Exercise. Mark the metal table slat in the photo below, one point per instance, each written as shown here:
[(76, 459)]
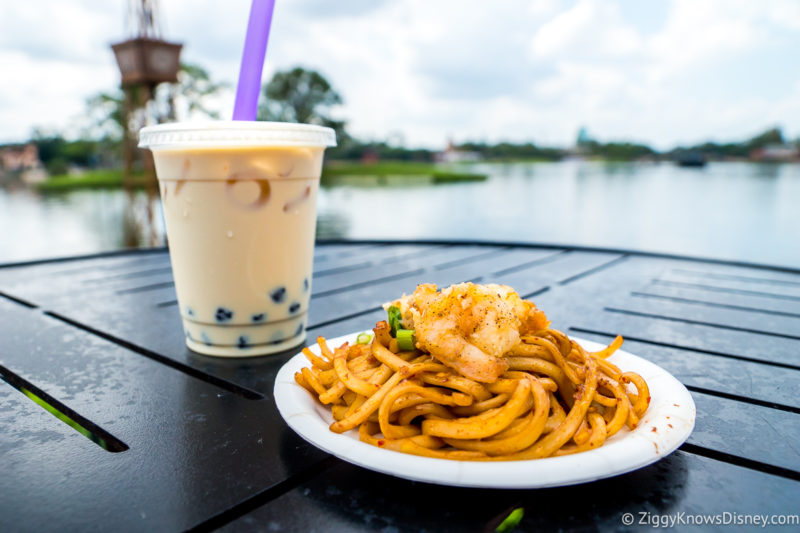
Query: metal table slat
[(721, 300), (48, 278), (179, 451), (367, 295), (193, 430), (736, 319), (553, 269), (376, 271), (760, 347), (346, 498), (785, 287), (706, 372)]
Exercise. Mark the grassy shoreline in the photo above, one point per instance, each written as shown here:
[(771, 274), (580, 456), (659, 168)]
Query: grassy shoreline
[(112, 178), (397, 169), (91, 179)]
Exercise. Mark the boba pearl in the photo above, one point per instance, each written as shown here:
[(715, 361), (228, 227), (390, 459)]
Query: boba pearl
[(259, 317), (278, 295), (277, 337), (205, 338), (223, 315), (295, 307), (242, 342)]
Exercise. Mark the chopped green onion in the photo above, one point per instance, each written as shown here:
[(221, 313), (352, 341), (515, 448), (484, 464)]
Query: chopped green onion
[(364, 338), (511, 521), (405, 339), (394, 319)]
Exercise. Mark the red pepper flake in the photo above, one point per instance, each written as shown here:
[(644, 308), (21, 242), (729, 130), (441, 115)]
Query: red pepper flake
[(579, 390), (648, 400), (676, 405), (381, 442), (654, 430), (670, 425)]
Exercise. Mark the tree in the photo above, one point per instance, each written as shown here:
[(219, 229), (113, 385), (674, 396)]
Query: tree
[(771, 136), (104, 116), (189, 96), (171, 101), (300, 95), (58, 154), (102, 124)]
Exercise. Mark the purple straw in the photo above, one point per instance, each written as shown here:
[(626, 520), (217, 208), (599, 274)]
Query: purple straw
[(255, 48)]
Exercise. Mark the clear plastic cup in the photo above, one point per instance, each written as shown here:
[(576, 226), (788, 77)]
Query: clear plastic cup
[(239, 201)]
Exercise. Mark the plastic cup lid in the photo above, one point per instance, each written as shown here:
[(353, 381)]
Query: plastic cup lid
[(234, 133)]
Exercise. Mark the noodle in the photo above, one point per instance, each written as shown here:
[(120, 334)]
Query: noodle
[(555, 399)]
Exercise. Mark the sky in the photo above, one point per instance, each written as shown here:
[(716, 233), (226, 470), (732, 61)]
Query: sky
[(422, 72)]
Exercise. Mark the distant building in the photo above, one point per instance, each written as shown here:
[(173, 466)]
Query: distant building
[(16, 158), (583, 137), (451, 154), (370, 156), (776, 152), (583, 143), (22, 161)]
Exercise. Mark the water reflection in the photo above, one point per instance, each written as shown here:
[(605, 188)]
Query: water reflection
[(371, 182), (34, 225), (767, 170), (142, 220), (741, 211), (332, 225)]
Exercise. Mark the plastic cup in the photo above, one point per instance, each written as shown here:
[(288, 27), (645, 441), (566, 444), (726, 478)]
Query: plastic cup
[(239, 200)]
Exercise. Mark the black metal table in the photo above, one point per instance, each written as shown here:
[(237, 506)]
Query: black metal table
[(180, 441)]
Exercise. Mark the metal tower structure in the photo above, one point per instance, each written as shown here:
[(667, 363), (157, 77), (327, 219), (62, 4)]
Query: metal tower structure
[(145, 59)]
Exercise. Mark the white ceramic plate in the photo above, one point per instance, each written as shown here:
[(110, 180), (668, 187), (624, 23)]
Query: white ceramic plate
[(666, 425)]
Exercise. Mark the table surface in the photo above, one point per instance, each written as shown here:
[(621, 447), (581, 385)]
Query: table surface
[(181, 441)]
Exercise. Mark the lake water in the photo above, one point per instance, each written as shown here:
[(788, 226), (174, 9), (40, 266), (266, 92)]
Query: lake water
[(741, 211)]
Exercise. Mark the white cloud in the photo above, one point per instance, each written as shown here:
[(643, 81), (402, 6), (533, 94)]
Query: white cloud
[(591, 27), (515, 69), (698, 33), (783, 13), (46, 92), (71, 31)]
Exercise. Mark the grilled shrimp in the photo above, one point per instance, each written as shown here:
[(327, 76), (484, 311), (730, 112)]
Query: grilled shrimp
[(469, 327)]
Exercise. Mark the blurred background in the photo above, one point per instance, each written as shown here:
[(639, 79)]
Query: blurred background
[(670, 126)]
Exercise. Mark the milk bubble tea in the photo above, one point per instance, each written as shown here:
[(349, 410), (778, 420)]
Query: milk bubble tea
[(240, 224)]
